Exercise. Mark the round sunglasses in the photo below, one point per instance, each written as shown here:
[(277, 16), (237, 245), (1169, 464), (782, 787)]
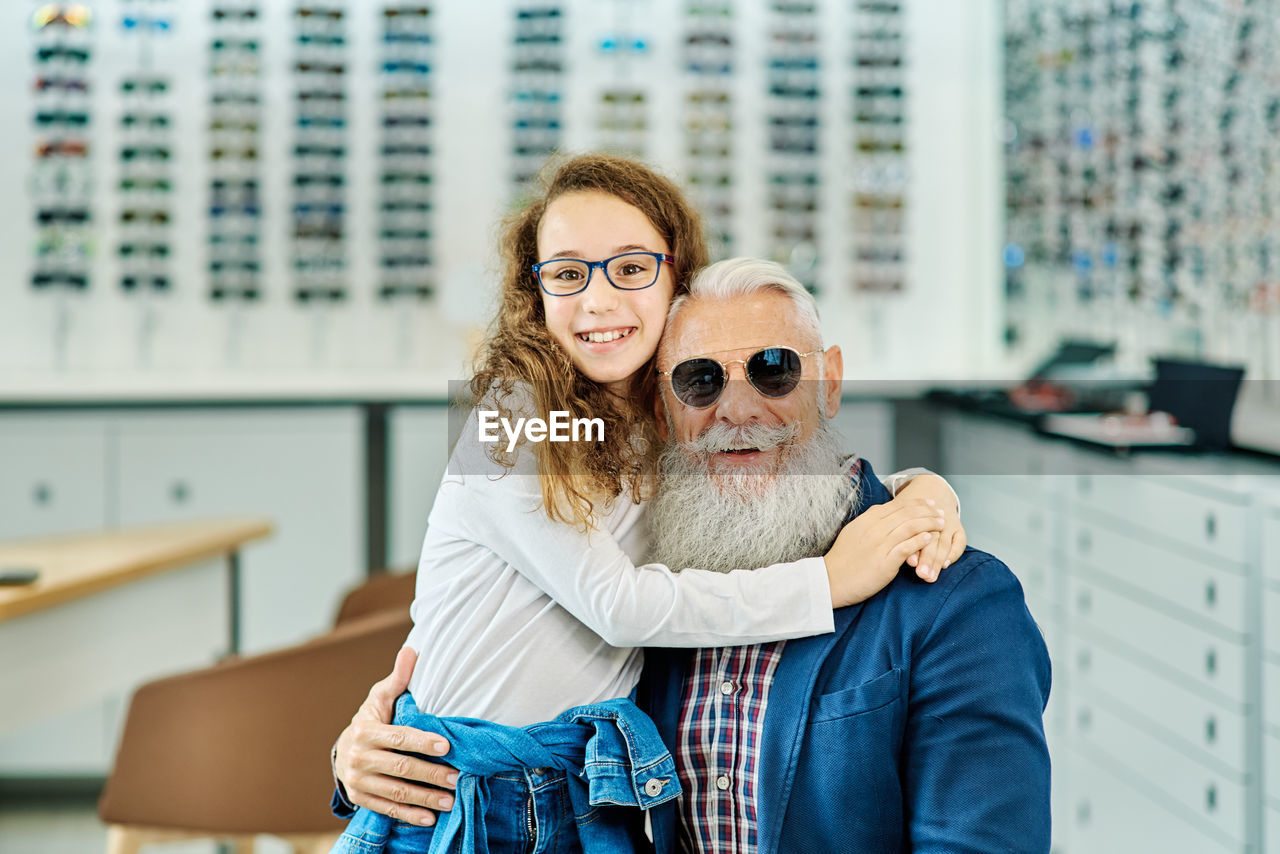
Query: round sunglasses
[(773, 371)]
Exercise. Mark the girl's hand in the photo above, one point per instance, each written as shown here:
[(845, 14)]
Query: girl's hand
[(871, 549), (946, 548)]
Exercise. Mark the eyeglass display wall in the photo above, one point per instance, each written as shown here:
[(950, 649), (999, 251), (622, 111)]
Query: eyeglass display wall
[(241, 192), (1143, 179)]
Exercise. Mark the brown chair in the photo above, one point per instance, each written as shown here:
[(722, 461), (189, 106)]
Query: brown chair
[(242, 747)]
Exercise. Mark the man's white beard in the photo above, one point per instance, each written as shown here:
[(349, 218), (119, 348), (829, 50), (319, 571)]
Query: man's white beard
[(749, 518)]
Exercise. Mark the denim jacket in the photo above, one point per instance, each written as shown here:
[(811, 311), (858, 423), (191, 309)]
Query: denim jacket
[(611, 753)]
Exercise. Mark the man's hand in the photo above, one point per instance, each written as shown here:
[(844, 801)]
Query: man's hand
[(371, 762), (945, 548), (871, 549)]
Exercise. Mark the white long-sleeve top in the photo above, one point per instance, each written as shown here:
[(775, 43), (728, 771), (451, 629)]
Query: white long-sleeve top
[(517, 617)]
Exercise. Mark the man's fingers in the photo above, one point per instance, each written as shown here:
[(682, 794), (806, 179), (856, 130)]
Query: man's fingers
[(412, 815), (384, 692), (410, 770), (400, 738), (406, 660), (405, 793)]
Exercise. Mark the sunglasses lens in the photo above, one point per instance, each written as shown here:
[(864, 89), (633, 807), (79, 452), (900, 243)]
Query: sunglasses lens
[(697, 382), (775, 372)]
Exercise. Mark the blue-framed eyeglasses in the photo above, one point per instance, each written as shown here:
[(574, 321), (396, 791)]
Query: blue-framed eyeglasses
[(630, 271)]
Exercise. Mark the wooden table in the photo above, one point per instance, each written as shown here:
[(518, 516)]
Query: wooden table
[(114, 609)]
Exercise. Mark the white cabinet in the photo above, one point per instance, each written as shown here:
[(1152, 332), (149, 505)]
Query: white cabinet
[(301, 467), (1270, 521), (418, 446), (1148, 568), (1113, 812), (54, 473)]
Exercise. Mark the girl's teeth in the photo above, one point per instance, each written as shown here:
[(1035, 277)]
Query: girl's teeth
[(601, 337)]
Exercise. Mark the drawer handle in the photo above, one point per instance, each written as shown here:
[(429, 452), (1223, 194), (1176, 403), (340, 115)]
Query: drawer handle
[(1084, 542), (1084, 719), (1084, 601), (1035, 523), (1210, 526), (1210, 594), (43, 493), (1084, 812), (1211, 798), (1211, 730), (1084, 484), (179, 492), (1211, 662), (1084, 659)]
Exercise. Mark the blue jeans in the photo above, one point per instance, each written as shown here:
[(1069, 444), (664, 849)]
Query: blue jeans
[(528, 811), (558, 787)]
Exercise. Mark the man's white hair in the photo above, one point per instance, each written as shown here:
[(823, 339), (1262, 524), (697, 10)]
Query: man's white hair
[(734, 277)]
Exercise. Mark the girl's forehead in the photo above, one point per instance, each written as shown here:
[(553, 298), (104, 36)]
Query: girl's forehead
[(577, 221)]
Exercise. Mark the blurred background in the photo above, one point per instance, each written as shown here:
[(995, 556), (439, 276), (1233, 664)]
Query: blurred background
[(248, 245)]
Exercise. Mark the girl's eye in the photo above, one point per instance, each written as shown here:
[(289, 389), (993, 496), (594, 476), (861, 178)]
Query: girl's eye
[(569, 275), (630, 269)]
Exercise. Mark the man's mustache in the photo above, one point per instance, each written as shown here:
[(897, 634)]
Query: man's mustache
[(720, 437)]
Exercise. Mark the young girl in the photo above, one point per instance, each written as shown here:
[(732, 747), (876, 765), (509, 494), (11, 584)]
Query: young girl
[(529, 607)]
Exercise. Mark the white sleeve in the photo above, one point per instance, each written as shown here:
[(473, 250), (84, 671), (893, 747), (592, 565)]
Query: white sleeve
[(899, 479), (629, 605)]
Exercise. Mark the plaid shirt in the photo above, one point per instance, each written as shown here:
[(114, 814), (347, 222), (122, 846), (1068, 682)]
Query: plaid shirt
[(721, 719)]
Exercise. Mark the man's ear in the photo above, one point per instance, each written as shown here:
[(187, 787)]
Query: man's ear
[(832, 378), (660, 415)]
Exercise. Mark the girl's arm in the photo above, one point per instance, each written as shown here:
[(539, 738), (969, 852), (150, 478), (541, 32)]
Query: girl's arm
[(590, 575), (949, 544)]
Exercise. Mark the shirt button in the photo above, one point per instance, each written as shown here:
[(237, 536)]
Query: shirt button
[(653, 788), (726, 687), (722, 782)]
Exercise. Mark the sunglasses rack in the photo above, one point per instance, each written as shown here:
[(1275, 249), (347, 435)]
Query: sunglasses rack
[(623, 105), (537, 89), (1143, 181), (406, 201), (879, 155), (61, 174), (320, 208), (263, 162), (235, 142), (793, 114), (708, 62)]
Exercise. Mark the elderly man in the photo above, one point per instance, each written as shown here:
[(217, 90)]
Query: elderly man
[(916, 725)]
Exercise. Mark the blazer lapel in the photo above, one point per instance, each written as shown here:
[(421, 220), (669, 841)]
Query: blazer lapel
[(785, 720)]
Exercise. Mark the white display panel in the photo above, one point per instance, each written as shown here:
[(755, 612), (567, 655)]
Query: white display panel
[(941, 322)]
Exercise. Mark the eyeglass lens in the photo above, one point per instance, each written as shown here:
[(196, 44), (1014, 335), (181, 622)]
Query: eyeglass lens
[(774, 372)]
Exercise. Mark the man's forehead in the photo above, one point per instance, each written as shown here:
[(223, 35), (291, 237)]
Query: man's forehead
[(712, 327)]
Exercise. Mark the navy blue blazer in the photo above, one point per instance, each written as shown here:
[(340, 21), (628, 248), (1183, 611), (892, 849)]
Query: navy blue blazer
[(917, 725)]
